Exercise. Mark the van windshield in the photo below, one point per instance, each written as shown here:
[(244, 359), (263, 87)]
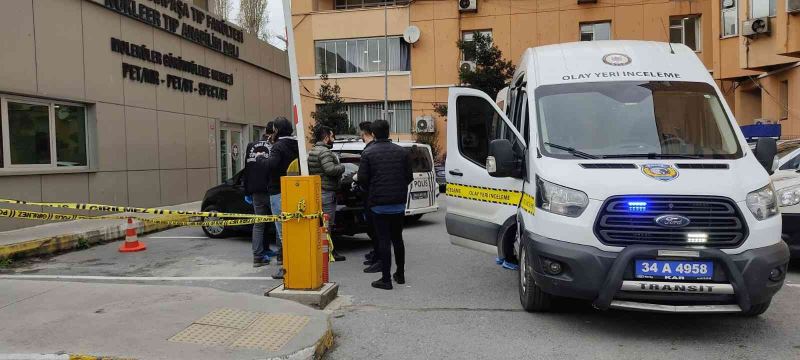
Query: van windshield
[(634, 119)]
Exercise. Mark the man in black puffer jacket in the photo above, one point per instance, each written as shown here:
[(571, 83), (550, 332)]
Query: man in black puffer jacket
[(283, 152), (385, 170)]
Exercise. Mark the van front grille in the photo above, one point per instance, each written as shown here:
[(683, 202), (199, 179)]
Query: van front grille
[(629, 220)]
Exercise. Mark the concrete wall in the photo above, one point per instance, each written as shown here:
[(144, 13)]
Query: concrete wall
[(154, 145)]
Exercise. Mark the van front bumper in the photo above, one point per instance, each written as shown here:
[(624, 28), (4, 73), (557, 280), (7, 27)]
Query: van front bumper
[(598, 276)]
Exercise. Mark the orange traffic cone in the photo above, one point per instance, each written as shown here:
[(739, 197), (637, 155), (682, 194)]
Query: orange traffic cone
[(132, 242)]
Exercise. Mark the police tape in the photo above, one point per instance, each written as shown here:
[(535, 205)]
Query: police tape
[(111, 208), (168, 217)]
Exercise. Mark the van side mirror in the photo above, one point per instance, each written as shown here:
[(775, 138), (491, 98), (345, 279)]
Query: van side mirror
[(501, 161), (766, 153)]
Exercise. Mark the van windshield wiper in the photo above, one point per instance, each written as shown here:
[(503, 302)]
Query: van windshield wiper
[(651, 156), (571, 150)]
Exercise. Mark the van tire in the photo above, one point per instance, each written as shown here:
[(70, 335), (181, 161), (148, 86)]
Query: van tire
[(531, 296), (757, 309)]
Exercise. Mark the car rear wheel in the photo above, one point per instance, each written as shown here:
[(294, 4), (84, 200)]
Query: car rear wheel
[(413, 218), (216, 231)]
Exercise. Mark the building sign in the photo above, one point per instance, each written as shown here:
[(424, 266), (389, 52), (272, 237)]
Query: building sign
[(146, 75), (183, 20)]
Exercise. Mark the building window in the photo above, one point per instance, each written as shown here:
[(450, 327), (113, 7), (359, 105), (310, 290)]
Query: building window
[(784, 97), (762, 8), (357, 4), (361, 55), (467, 37), (399, 116), (596, 31), (38, 134), (730, 17), (685, 30)]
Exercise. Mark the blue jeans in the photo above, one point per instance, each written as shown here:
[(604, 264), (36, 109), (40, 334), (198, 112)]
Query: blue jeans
[(275, 204), (260, 207)]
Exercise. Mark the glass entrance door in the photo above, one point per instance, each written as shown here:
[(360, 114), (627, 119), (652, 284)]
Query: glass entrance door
[(231, 147)]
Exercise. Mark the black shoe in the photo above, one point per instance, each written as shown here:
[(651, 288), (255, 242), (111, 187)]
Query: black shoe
[(279, 275), (399, 278), (260, 261), (370, 262), (374, 268), (369, 256), (337, 257), (382, 284)]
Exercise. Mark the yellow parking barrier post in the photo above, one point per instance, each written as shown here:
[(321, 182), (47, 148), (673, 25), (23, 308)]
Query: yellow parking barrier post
[(302, 255), (302, 248)]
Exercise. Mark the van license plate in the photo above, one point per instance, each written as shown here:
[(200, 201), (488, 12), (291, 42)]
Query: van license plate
[(418, 195), (657, 269)]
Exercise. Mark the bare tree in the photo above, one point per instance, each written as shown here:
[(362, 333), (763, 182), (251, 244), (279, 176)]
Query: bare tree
[(221, 8), (253, 17)]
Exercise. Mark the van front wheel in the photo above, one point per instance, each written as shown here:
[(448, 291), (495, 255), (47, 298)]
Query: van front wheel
[(531, 296)]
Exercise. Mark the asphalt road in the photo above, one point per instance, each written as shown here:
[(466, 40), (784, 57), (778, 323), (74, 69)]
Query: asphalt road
[(456, 304)]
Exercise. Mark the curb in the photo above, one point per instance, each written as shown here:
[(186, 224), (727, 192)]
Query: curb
[(62, 243)]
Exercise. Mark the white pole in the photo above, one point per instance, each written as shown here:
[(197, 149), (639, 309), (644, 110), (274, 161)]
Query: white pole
[(296, 101), (385, 62)]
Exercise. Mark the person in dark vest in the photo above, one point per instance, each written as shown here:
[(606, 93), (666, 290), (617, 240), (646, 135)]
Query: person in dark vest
[(385, 170), (284, 151), (371, 257), (323, 162), (256, 181)]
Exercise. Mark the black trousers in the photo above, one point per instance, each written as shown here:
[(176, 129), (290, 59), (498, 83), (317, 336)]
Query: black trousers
[(389, 231), (371, 232)]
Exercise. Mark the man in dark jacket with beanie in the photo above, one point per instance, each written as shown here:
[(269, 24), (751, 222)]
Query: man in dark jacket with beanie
[(385, 170), (284, 151), (323, 162), (256, 181)]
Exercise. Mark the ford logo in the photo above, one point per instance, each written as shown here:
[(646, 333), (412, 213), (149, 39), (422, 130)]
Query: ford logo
[(672, 221)]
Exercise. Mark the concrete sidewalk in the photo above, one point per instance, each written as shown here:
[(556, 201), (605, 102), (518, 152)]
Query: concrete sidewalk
[(155, 322), (63, 236)]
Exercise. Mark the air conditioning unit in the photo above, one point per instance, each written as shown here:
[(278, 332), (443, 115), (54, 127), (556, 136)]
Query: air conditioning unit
[(467, 66), (753, 27), (467, 5), (793, 6), (423, 124)]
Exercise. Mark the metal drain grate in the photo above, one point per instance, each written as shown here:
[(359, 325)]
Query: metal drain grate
[(243, 329), (232, 318), (206, 335)]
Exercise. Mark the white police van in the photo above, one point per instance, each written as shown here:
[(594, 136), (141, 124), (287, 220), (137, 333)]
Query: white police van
[(617, 175)]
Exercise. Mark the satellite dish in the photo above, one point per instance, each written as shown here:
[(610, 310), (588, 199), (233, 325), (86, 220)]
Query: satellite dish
[(411, 34)]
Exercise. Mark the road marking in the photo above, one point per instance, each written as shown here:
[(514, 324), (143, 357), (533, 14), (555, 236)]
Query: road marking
[(793, 285), (136, 278), (177, 237)]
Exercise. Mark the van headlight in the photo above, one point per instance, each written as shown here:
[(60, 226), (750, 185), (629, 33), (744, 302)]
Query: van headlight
[(789, 196), (560, 200), (762, 202)]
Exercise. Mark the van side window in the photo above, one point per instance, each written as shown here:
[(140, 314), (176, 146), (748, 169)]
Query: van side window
[(525, 130), (478, 125)]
